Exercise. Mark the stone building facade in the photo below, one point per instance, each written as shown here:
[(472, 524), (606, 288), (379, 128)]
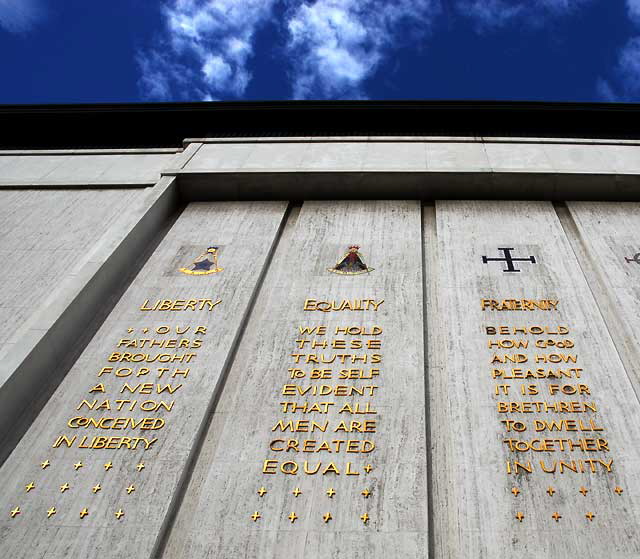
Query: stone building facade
[(323, 330)]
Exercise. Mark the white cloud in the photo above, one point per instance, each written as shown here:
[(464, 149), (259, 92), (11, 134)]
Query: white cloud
[(629, 66), (626, 75), (633, 7), (17, 16), (495, 13), (210, 41), (624, 82), (335, 45)]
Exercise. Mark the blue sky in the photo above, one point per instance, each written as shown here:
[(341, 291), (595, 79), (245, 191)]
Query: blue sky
[(71, 51)]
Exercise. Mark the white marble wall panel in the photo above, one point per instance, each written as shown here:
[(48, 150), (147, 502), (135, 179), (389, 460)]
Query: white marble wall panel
[(503, 157), (221, 156), (624, 159), (579, 158), (475, 500), (77, 169), (608, 240), (409, 156), (215, 518), (446, 156), (43, 235), (244, 233)]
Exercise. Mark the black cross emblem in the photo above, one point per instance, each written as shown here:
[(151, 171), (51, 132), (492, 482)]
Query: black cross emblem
[(636, 258), (509, 260)]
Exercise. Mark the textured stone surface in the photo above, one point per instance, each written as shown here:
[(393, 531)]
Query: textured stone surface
[(607, 234), (415, 155), (474, 509), (214, 520), (78, 168), (206, 466), (244, 233), (44, 234)]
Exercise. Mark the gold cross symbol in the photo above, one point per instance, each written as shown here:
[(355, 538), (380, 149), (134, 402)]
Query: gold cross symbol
[(84, 512), (293, 517), (365, 518), (119, 514), (556, 516), (618, 490), (45, 464), (129, 330), (551, 491), (590, 516), (51, 512), (366, 493), (108, 466), (262, 491), (368, 468), (15, 512), (96, 488), (255, 516), (140, 466), (331, 492), (130, 489), (584, 491), (327, 517), (64, 487), (519, 516), (30, 486), (78, 465), (297, 492), (515, 491), (145, 330)]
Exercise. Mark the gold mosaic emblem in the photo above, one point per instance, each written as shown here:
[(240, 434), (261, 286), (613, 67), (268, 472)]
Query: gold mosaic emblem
[(351, 264), (206, 263)]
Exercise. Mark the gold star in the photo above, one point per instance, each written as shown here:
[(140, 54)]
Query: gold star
[(584, 491), (368, 468), (297, 492), (130, 489), (556, 516), (45, 464), (64, 487), (108, 466), (140, 466), (84, 512), (30, 486), (590, 516), (365, 518), (255, 516), (515, 491), (96, 488), (119, 514), (327, 517), (618, 490), (293, 517), (51, 512), (78, 465), (262, 491), (331, 492), (15, 512), (551, 491), (519, 516), (366, 493)]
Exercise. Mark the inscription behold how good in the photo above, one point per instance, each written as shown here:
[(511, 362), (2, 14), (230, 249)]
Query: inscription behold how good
[(550, 409)]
